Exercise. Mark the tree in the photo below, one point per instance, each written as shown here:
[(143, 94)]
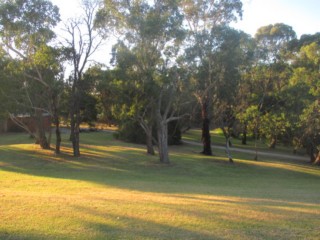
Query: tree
[(252, 118), (306, 78), (273, 40), (268, 78), (202, 19), (25, 31), (82, 40), (137, 91), (6, 86), (245, 88), (151, 36), (48, 60), (311, 124)]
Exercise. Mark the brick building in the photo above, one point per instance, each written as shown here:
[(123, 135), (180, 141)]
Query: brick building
[(8, 125)]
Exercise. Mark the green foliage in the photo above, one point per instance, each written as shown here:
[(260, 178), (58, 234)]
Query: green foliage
[(27, 23), (273, 40), (251, 117), (305, 79), (274, 126), (88, 109), (131, 131)]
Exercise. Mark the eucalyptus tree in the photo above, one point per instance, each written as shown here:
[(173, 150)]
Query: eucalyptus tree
[(305, 84), (25, 32), (201, 20), (231, 55), (245, 85), (48, 61), (6, 87), (82, 40), (273, 41), (151, 32), (269, 78), (136, 93)]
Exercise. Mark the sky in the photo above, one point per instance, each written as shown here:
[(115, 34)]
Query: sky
[(302, 15)]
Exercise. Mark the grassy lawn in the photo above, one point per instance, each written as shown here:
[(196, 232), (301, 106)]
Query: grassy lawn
[(115, 191), (218, 138)]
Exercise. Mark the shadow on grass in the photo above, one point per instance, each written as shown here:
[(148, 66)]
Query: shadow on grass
[(196, 197), (138, 227), (246, 220), (127, 166), (6, 235), (15, 138)]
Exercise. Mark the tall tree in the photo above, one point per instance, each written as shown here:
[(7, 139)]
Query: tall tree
[(305, 80), (202, 18), (274, 68), (245, 88), (138, 91), (151, 32), (273, 41), (25, 30), (6, 105), (82, 40)]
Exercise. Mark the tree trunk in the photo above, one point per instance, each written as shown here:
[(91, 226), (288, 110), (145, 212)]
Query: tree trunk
[(312, 153), (58, 138), (206, 138), (255, 143), (75, 119), (147, 128), (317, 159), (150, 149), (57, 125), (244, 135), (228, 149), (76, 135), (273, 143), (41, 134), (163, 141), (55, 113), (76, 143), (72, 119)]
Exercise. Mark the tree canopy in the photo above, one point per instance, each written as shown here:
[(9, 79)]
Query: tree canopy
[(174, 62)]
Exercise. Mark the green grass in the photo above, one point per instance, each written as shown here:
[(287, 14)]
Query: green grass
[(218, 138), (115, 191)]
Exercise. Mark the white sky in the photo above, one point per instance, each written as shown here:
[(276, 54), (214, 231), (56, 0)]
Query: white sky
[(302, 15)]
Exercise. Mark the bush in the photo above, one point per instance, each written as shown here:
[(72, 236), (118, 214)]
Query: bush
[(131, 131)]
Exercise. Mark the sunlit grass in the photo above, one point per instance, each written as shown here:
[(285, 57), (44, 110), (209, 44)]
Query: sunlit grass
[(116, 191), (218, 138)]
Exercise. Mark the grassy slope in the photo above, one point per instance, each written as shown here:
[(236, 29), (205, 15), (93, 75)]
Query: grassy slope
[(115, 191), (218, 138)]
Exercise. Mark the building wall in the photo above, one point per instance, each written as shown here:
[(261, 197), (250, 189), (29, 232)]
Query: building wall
[(29, 121), (3, 125)]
